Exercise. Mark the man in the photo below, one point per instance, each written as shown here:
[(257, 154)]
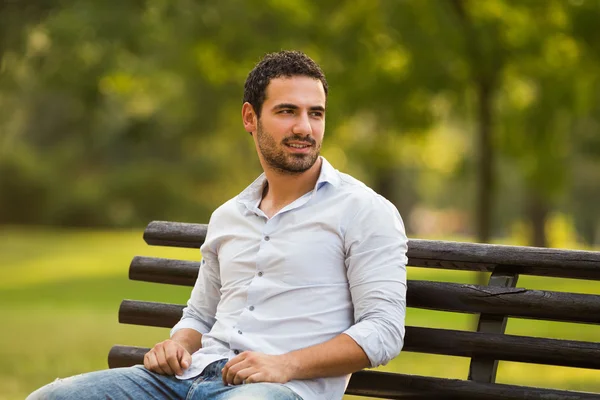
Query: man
[(303, 277)]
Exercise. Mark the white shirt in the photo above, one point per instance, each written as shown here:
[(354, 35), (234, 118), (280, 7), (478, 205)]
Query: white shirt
[(331, 262)]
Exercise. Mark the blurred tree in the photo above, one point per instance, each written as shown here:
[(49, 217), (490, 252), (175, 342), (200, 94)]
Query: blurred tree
[(116, 113)]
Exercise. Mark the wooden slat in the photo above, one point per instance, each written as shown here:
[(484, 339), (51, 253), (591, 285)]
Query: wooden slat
[(401, 386), (392, 386), (425, 340), (521, 303), (176, 234), (434, 253), (164, 270), (511, 302)]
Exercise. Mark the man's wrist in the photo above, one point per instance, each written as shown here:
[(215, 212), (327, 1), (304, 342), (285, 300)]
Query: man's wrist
[(291, 366)]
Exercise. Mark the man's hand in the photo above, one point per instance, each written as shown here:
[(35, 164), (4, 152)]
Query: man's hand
[(167, 358), (253, 367)]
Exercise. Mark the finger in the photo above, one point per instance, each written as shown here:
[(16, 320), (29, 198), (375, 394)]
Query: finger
[(242, 375), (228, 365), (232, 371), (162, 361), (146, 361), (172, 358), (153, 362), (256, 377), (185, 359)]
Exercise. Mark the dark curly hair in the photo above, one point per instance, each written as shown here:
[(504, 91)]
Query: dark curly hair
[(275, 65)]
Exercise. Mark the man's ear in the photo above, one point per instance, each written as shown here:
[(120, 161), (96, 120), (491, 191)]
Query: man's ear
[(249, 118)]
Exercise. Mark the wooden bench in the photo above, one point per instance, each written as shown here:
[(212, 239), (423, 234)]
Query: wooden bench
[(494, 303)]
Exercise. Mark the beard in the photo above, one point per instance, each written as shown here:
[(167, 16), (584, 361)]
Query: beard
[(275, 155)]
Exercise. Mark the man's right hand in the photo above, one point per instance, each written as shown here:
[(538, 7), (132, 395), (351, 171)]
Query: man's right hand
[(167, 358)]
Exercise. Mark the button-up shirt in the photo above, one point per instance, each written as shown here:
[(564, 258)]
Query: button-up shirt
[(331, 262)]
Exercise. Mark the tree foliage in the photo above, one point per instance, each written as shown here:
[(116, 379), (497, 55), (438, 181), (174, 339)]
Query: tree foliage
[(116, 113)]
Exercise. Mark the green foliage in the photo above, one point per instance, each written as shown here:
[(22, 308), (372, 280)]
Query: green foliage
[(115, 113)]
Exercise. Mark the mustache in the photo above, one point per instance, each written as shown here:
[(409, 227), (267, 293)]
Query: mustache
[(296, 138)]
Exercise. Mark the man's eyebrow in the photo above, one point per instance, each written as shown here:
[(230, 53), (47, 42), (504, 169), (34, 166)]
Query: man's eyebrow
[(285, 105), (292, 106)]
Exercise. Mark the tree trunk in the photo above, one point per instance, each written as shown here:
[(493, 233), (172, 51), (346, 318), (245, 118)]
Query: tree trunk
[(485, 173), (538, 211)]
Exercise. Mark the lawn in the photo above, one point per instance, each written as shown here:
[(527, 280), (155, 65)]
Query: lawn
[(60, 291)]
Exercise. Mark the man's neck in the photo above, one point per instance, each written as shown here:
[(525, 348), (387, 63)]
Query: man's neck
[(282, 189)]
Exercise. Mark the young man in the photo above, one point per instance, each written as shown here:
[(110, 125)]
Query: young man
[(303, 277)]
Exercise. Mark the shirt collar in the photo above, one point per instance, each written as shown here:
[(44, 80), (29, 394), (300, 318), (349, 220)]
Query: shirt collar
[(253, 193)]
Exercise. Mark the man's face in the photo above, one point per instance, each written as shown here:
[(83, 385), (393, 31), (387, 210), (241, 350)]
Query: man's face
[(292, 124)]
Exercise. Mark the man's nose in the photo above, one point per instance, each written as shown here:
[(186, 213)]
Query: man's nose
[(302, 125)]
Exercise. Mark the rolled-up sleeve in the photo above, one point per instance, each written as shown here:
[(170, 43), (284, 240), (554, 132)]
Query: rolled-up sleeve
[(199, 314), (376, 246)]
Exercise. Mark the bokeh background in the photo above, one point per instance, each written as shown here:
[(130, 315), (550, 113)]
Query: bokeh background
[(480, 120)]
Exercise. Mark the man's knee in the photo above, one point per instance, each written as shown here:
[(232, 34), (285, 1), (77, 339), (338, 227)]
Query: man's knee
[(60, 389)]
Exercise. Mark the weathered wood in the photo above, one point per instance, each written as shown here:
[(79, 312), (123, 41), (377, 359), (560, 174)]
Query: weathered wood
[(522, 303), (164, 270), (512, 302), (483, 369), (434, 254), (392, 386), (425, 340), (176, 234), (401, 386), (126, 356)]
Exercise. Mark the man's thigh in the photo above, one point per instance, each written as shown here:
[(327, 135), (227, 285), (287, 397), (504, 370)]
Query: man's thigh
[(119, 383), (259, 391)]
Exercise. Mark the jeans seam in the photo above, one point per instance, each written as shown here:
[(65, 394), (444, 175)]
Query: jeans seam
[(193, 387)]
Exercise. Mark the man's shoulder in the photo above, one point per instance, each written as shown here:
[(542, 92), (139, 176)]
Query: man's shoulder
[(225, 209), (358, 192)]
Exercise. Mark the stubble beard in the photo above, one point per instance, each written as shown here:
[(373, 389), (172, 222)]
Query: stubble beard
[(275, 155)]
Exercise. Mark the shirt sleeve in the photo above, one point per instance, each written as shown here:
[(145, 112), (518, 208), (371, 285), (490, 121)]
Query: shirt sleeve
[(199, 314), (376, 246)]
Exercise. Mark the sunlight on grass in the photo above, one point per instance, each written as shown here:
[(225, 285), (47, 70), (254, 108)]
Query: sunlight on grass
[(39, 256)]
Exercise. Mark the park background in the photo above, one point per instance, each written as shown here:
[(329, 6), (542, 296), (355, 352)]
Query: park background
[(480, 120)]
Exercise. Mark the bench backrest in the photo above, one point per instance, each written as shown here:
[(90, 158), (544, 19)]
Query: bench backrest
[(494, 303)]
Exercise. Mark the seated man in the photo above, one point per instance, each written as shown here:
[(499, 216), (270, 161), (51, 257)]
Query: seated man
[(303, 277)]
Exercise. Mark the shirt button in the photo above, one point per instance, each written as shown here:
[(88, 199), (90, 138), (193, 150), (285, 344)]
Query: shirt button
[(236, 352), (251, 308), (267, 238), (240, 332), (260, 273)]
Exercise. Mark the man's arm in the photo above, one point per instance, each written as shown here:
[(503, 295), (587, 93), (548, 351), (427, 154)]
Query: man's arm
[(173, 355), (336, 357)]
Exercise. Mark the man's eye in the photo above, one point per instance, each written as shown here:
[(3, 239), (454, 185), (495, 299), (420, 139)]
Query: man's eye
[(317, 114), (286, 112)]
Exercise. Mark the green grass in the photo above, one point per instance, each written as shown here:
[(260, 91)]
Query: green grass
[(60, 291)]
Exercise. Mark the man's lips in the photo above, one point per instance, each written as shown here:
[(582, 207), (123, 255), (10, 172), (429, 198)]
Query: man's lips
[(298, 146)]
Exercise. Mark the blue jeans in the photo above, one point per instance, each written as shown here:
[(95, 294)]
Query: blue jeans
[(138, 383)]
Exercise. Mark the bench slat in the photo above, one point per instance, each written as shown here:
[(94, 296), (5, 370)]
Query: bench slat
[(515, 302), (424, 340), (433, 253), (401, 386), (391, 386)]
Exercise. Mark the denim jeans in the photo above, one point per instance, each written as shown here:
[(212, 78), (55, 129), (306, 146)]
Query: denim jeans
[(138, 383)]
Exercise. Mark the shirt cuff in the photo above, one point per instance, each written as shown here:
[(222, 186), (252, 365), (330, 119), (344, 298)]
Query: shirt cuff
[(366, 335), (190, 323)]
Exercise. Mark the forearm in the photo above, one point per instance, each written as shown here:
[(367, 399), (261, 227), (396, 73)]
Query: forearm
[(336, 357), (189, 338)]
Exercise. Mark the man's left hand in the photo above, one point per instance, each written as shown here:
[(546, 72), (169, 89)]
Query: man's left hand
[(252, 367)]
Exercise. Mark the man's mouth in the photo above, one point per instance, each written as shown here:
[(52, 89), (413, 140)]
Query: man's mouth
[(298, 146)]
